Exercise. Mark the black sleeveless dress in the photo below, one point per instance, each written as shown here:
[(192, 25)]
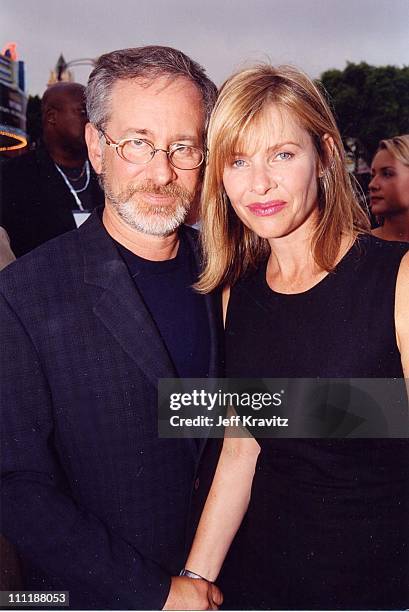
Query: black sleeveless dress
[(328, 521)]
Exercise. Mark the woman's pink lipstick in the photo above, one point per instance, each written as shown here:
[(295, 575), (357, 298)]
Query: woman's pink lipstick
[(266, 209)]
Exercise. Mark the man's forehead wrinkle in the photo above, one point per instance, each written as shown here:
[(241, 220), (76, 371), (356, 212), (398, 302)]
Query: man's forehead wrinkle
[(146, 132), (119, 105)]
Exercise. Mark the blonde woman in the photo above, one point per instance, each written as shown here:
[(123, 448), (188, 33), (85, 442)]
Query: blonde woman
[(389, 188), (326, 521)]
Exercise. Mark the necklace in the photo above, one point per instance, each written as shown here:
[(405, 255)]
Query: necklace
[(74, 191), (75, 179)]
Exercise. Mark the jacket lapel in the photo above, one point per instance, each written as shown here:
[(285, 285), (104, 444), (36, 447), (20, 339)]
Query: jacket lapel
[(120, 306)]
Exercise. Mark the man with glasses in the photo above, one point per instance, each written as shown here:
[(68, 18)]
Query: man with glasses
[(95, 503)]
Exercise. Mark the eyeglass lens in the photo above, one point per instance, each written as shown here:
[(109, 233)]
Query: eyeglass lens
[(140, 152)]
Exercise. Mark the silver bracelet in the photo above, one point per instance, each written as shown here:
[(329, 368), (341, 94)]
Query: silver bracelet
[(189, 574)]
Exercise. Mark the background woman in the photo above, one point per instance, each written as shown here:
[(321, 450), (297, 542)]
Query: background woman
[(327, 523), (389, 188)]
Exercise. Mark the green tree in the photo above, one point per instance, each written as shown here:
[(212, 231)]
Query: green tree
[(370, 103)]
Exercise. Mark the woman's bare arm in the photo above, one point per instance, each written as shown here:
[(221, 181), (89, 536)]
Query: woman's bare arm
[(402, 314), (228, 497), (225, 506)]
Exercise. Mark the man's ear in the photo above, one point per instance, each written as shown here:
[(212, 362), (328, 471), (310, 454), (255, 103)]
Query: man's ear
[(51, 116), (94, 147)]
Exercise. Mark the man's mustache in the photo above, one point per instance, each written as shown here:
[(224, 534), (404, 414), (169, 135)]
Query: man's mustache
[(167, 190)]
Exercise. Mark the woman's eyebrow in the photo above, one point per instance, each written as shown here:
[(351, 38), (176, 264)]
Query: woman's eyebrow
[(272, 148), (285, 143)]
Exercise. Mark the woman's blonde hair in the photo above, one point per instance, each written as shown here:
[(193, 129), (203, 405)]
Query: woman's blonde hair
[(230, 248), (398, 147)]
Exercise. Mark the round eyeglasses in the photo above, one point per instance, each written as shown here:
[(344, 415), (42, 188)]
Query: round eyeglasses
[(139, 151)]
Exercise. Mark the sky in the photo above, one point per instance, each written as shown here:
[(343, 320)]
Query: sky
[(222, 35)]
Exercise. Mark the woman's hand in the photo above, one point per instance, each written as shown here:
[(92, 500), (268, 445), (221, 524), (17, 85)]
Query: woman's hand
[(189, 594)]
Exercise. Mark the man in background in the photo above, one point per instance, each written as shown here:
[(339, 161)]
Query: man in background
[(50, 190)]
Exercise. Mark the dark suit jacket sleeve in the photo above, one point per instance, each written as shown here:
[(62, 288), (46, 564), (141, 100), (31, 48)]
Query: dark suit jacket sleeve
[(59, 536)]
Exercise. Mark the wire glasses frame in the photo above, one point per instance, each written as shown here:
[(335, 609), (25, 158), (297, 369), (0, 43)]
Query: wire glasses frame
[(140, 151)]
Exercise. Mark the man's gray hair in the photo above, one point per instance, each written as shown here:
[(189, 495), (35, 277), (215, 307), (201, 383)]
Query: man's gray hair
[(142, 62)]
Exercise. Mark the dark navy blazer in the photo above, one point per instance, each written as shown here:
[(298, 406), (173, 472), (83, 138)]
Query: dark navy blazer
[(94, 501)]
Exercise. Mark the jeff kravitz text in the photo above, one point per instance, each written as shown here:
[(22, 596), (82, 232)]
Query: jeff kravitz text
[(231, 421)]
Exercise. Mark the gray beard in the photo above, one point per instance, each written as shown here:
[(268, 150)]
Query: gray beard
[(157, 223), (145, 218)]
